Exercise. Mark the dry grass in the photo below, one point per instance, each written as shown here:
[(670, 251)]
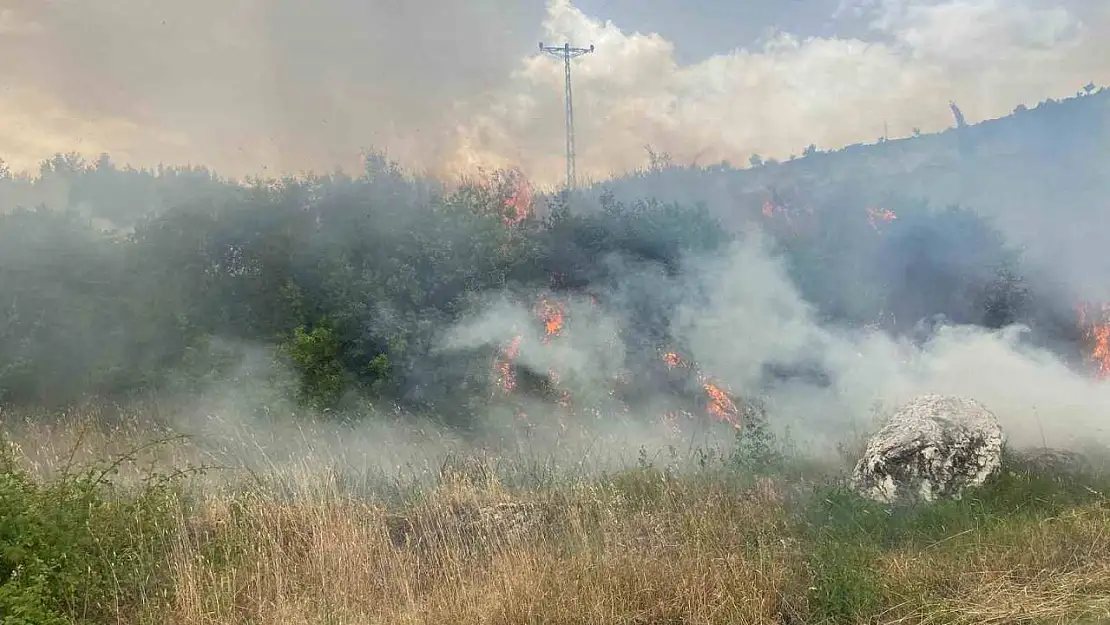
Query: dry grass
[(1056, 570), (640, 546), (584, 556)]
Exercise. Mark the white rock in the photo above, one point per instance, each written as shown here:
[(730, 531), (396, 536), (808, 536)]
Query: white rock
[(934, 446)]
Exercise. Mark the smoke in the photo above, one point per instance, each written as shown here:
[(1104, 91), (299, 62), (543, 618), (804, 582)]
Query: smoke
[(251, 86), (739, 313)]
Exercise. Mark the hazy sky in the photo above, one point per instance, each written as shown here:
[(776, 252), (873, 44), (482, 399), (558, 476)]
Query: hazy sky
[(251, 86)]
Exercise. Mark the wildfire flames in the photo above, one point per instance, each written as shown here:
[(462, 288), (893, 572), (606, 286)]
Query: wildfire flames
[(506, 376), (518, 203), (553, 315), (793, 219), (875, 216), (796, 220), (1096, 328), (770, 209), (718, 404)]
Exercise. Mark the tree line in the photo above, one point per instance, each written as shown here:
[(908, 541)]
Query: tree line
[(355, 277)]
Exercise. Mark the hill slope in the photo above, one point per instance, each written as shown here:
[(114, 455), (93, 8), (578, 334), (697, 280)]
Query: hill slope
[(1037, 173)]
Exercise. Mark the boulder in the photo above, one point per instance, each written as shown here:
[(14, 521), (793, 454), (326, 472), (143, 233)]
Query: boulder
[(934, 446)]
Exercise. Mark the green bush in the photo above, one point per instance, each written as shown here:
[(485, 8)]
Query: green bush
[(79, 548), (316, 356)]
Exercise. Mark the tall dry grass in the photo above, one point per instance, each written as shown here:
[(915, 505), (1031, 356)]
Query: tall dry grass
[(472, 543)]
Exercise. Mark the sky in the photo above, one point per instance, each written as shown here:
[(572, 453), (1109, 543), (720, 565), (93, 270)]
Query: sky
[(448, 86)]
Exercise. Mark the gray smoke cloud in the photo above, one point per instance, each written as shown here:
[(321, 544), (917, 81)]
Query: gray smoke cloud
[(754, 316), (252, 86), (243, 85)]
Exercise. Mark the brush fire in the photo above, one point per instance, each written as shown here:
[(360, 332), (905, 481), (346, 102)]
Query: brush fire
[(1095, 323), (550, 315), (878, 216), (696, 392), (518, 197), (718, 403)]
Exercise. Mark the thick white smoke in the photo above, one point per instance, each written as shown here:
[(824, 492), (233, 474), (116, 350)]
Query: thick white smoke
[(754, 316)]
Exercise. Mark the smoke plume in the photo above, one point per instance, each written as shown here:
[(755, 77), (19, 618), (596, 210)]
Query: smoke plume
[(269, 87)]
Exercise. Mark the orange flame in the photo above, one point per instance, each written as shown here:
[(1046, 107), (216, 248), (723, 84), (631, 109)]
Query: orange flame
[(553, 315), (797, 220), (1097, 332), (876, 215), (770, 209), (564, 395), (719, 405), (518, 204), (506, 376)]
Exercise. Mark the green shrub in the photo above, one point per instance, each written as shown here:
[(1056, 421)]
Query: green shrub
[(79, 548)]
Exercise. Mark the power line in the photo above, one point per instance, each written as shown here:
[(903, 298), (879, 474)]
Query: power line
[(567, 53)]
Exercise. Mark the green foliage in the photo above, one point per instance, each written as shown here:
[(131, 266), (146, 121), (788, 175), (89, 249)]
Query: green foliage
[(373, 268), (316, 356), (845, 533), (844, 585), (1017, 490), (77, 549), (757, 449)]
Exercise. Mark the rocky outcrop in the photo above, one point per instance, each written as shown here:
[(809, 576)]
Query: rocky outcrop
[(934, 446)]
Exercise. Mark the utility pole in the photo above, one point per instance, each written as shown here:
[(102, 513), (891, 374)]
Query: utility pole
[(567, 53)]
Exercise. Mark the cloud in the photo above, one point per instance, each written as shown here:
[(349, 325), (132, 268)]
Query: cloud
[(777, 97), (244, 85)]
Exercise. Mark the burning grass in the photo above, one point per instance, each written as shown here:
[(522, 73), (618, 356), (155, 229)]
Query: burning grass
[(712, 538)]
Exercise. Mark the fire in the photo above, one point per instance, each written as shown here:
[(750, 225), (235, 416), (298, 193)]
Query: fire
[(770, 209), (719, 405), (877, 215), (564, 399), (1101, 351), (553, 315), (797, 220), (518, 203), (1097, 332), (506, 376)]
